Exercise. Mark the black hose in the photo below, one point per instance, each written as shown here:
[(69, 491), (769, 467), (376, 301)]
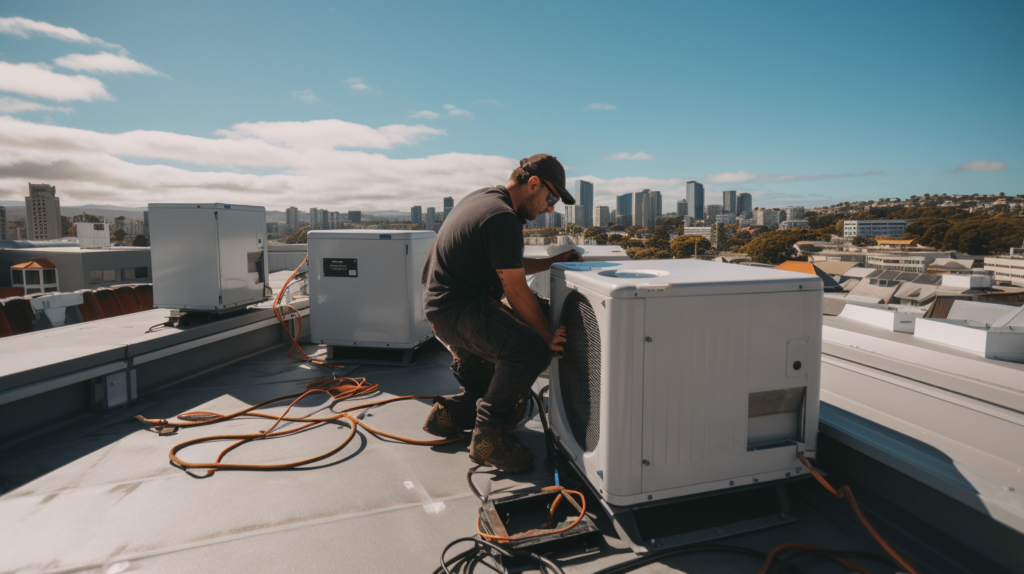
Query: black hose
[(849, 555), (543, 563), (640, 561)]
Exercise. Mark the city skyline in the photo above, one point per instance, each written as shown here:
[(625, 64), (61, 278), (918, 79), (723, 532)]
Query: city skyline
[(113, 110)]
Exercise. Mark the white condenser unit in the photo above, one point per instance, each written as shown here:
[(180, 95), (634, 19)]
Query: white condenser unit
[(684, 376), (208, 257), (366, 300)]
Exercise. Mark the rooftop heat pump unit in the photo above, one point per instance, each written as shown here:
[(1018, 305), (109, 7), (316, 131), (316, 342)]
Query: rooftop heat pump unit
[(366, 300), (682, 377), (208, 257)]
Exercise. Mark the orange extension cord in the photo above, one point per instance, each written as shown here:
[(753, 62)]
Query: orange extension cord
[(341, 389), (842, 492), (551, 517)]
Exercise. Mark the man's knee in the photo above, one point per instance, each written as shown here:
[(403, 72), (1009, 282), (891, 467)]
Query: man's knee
[(536, 355)]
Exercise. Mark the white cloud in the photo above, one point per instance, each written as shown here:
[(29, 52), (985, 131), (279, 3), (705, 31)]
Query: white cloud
[(306, 95), (626, 156), (306, 169), (330, 134), (39, 81), (425, 114), (599, 108), (23, 28), (743, 176), (982, 165), (10, 105), (357, 84), (456, 112), (489, 101), (104, 62)]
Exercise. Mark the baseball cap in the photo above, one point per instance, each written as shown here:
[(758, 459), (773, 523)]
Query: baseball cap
[(547, 167)]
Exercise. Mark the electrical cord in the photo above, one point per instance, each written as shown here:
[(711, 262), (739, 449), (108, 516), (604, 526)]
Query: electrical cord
[(641, 561), (478, 553)]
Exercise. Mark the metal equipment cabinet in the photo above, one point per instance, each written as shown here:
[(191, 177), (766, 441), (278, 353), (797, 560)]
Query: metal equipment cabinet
[(208, 257)]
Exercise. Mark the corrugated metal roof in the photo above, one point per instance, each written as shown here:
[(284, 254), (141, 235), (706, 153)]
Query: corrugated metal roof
[(915, 292), (835, 267), (849, 284), (864, 289), (832, 306), (859, 272)]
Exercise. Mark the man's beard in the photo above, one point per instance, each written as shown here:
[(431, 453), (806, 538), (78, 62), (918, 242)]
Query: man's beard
[(524, 213)]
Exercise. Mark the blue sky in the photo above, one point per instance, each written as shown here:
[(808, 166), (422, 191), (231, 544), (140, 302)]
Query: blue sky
[(381, 105)]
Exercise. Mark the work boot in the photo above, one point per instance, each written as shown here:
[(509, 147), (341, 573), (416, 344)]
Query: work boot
[(440, 421), (494, 446)]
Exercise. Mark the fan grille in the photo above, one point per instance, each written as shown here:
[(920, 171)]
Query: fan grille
[(579, 371)]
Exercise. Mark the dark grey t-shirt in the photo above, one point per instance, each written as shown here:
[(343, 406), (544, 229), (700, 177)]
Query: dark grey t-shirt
[(481, 234)]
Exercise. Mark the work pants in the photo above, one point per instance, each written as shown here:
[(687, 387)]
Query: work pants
[(497, 357)]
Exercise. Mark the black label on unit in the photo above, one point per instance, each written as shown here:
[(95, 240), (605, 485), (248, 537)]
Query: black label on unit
[(341, 267)]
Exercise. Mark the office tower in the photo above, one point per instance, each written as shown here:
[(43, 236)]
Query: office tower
[(766, 217), (556, 219), (639, 217), (585, 196), (314, 218), (3, 223), (145, 223), (431, 213), (745, 203), (712, 210), (42, 212), (449, 204), (792, 212), (729, 202), (325, 219), (601, 216), (656, 203), (291, 220), (575, 215), (681, 208), (355, 217), (695, 199), (648, 211), (416, 217), (624, 204)]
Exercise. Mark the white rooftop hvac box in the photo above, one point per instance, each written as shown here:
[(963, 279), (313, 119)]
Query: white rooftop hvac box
[(208, 257), (93, 235), (365, 288), (684, 376)]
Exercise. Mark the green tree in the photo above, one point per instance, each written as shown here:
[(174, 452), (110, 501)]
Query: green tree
[(684, 246), (859, 241), (652, 253), (141, 241), (118, 235)]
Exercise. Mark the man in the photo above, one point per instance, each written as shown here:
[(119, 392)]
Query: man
[(498, 350)]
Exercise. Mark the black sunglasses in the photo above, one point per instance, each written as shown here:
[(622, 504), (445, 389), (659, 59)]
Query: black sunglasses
[(552, 198)]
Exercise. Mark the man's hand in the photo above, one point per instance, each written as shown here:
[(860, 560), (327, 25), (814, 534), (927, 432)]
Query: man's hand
[(556, 341), (571, 256)]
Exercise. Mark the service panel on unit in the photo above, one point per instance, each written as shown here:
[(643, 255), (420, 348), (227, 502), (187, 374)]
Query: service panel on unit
[(365, 288), (208, 257), (684, 376)]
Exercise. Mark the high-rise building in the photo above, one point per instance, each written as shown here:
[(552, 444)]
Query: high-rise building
[(656, 203), (585, 196), (355, 217), (315, 218), (431, 214), (42, 212), (695, 199), (624, 204), (648, 211), (575, 215), (601, 215), (3, 223), (556, 219), (291, 220), (729, 204), (711, 211), (681, 208), (449, 204), (639, 217), (325, 219), (416, 216), (145, 223), (745, 203)]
